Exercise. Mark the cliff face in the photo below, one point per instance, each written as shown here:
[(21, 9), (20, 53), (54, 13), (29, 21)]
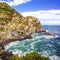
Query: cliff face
[(13, 24)]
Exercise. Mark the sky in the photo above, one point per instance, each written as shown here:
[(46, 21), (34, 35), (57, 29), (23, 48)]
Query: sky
[(47, 11)]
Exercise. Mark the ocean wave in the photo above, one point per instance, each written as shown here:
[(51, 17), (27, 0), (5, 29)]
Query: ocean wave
[(50, 37), (37, 36), (54, 57), (43, 44), (57, 32), (45, 53), (19, 52), (11, 44)]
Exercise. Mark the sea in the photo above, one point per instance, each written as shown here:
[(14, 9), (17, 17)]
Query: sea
[(48, 46)]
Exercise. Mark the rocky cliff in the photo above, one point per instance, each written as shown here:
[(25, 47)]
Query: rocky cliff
[(13, 24)]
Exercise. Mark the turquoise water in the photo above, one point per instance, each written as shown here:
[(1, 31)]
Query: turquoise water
[(41, 43)]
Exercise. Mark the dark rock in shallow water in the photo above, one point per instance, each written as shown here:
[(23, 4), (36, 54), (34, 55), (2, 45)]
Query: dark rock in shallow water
[(17, 39), (1, 46)]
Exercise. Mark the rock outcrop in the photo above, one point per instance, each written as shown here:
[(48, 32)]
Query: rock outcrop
[(14, 25)]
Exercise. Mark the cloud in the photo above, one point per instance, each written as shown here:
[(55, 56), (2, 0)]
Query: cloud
[(15, 2), (48, 17)]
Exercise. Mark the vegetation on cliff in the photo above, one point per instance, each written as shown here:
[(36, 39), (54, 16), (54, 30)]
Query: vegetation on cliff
[(6, 10), (30, 56), (13, 24)]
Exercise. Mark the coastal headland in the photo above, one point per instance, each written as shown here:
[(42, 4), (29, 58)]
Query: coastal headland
[(15, 27)]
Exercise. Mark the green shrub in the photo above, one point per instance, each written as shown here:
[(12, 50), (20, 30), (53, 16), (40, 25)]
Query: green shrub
[(30, 56)]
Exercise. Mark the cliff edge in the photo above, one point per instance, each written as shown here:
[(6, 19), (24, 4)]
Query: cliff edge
[(14, 25)]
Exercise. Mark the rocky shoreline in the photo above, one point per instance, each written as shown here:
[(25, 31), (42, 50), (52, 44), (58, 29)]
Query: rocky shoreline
[(3, 53), (2, 44)]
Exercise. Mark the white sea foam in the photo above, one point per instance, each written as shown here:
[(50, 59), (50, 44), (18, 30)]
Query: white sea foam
[(19, 52), (58, 42), (32, 44), (57, 32), (11, 44), (49, 45), (49, 37), (45, 36), (30, 47), (54, 57), (45, 53)]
